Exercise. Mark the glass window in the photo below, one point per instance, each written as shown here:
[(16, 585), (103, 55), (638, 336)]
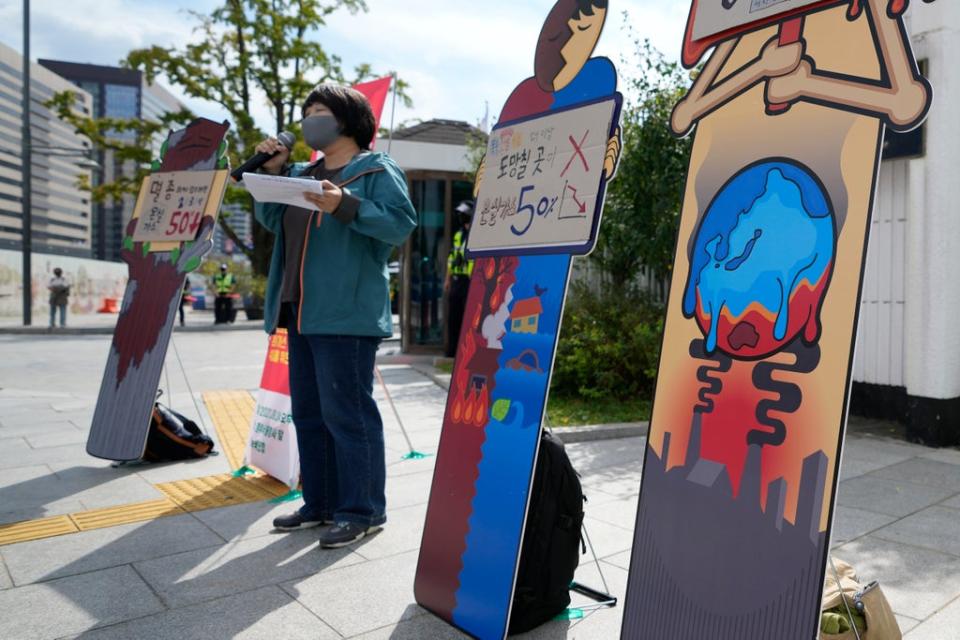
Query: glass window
[(121, 101), (93, 88), (427, 262)]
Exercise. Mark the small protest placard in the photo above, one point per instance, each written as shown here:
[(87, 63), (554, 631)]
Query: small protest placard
[(272, 446), (171, 205), (542, 189)]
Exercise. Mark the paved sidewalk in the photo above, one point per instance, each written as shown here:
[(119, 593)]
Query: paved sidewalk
[(221, 573), (104, 323)]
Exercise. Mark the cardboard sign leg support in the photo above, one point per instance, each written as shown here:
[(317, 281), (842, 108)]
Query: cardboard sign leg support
[(740, 472), (167, 238)]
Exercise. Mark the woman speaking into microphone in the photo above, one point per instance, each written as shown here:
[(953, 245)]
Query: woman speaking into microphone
[(328, 286)]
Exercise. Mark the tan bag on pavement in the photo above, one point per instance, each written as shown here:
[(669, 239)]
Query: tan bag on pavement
[(880, 621)]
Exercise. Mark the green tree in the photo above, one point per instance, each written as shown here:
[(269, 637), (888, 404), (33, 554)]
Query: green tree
[(477, 142), (643, 203), (245, 52), (130, 140)]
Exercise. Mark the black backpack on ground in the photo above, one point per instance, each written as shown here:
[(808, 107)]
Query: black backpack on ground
[(551, 540), (173, 436)]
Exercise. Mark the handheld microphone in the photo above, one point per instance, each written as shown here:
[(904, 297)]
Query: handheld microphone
[(286, 139)]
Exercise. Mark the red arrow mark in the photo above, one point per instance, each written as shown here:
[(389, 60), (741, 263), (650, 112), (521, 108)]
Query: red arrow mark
[(583, 205)]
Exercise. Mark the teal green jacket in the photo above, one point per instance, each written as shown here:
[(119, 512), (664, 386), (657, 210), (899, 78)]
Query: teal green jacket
[(345, 285)]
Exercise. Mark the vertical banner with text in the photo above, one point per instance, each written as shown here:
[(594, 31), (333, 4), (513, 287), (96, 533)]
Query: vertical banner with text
[(272, 446)]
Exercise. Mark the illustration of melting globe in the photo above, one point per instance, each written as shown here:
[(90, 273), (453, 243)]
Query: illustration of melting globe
[(761, 261)]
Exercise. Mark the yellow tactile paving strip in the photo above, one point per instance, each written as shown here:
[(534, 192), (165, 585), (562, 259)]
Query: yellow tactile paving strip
[(215, 491), (231, 412), (36, 529), (125, 514)]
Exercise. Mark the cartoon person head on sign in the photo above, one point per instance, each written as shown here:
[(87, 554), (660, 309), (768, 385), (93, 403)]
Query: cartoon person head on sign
[(565, 74), (569, 36)]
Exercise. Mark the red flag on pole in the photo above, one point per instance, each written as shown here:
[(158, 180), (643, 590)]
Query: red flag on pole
[(376, 92)]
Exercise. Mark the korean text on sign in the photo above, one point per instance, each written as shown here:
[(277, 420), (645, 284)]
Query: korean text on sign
[(171, 205), (543, 183)]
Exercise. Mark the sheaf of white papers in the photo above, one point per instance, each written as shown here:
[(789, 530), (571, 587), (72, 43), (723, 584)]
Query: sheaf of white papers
[(280, 189)]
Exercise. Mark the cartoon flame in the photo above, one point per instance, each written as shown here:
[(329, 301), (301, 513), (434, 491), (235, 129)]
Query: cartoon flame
[(467, 348), (481, 416), (468, 416)]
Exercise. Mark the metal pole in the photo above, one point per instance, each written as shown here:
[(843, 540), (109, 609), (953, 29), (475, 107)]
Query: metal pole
[(26, 161), (386, 392)]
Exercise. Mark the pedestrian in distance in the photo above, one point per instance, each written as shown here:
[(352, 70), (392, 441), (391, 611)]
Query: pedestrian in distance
[(457, 283), (328, 285), (223, 285), (184, 298), (59, 289)]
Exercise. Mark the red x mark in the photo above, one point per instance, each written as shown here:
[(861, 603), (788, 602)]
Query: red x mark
[(577, 151)]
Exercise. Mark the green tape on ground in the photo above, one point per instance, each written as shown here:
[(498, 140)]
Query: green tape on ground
[(243, 471), (570, 614), (416, 455), (287, 497)]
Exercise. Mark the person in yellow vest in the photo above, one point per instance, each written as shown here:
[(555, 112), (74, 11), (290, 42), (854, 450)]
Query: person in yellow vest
[(457, 283), (223, 284)]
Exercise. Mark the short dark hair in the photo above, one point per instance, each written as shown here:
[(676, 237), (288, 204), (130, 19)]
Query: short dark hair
[(586, 7), (351, 109)]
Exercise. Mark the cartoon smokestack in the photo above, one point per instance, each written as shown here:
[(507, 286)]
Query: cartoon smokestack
[(707, 374), (790, 395)]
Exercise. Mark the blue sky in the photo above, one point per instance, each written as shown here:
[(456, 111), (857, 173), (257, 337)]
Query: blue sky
[(456, 54)]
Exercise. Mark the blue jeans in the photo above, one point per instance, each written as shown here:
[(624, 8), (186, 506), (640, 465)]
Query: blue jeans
[(63, 314), (339, 429)]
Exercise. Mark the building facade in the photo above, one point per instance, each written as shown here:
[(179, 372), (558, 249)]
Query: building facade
[(435, 157), (907, 365), (61, 213), (115, 93)]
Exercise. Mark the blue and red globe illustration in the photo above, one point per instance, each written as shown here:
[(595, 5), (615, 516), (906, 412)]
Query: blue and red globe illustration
[(761, 261)]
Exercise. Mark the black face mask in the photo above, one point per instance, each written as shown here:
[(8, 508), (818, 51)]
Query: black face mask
[(320, 131)]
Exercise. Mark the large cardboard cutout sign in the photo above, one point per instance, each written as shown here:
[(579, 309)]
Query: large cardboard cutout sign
[(491, 428), (193, 164), (736, 501)]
